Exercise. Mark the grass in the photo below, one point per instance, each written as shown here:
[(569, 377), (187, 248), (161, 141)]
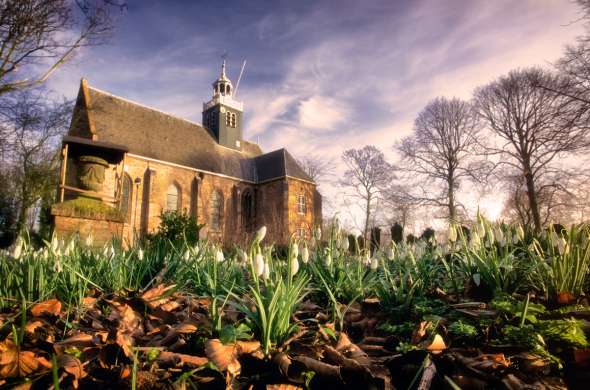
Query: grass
[(265, 290)]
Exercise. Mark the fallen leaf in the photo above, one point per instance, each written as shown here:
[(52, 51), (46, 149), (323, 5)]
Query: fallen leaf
[(72, 366), (15, 363), (49, 307), (420, 332), (223, 356), (184, 359), (565, 298), (437, 345), (128, 319)]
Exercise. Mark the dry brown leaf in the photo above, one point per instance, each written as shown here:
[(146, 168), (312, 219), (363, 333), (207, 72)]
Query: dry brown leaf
[(15, 363), (223, 356), (72, 366), (186, 328), (49, 307), (437, 345), (283, 386), (88, 302), (189, 360), (129, 320), (156, 297), (125, 341), (170, 306), (79, 340), (420, 332), (565, 298), (31, 326), (490, 361)]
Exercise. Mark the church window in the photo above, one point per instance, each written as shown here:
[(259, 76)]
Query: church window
[(216, 205), (126, 197), (172, 198), (230, 119), (301, 206)]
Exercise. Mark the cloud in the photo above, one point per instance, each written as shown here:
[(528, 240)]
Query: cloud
[(321, 113)]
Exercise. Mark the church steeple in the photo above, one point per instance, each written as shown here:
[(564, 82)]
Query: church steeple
[(223, 86), (222, 115)]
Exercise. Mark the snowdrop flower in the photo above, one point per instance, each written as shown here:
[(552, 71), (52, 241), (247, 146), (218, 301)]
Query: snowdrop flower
[(89, 240), (219, 255), (140, 254), (305, 255), (515, 238), (328, 259), (54, 244), (187, 255), (266, 272), (317, 233), (260, 234), (294, 265), (18, 249), (499, 234), (344, 244), (295, 250), (374, 263), (242, 256), (70, 247), (391, 253), (259, 264)]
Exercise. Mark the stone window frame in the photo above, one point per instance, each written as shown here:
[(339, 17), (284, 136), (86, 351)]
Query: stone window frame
[(231, 119), (248, 209), (301, 204), (178, 189), (216, 211)]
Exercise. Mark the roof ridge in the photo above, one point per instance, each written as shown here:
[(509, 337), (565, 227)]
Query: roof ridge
[(145, 106)]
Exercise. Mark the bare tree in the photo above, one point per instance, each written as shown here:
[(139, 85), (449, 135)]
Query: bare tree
[(35, 125), (438, 155), (38, 36), (367, 174), (316, 167), (533, 127)]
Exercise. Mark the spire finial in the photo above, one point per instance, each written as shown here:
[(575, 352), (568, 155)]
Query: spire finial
[(223, 56)]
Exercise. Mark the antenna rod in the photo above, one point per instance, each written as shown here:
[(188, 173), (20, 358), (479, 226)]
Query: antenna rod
[(239, 78)]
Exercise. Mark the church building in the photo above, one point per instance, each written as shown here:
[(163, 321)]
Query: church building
[(124, 164)]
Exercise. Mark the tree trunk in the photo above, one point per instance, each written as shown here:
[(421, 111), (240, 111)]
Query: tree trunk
[(451, 201), (532, 196), (367, 216)]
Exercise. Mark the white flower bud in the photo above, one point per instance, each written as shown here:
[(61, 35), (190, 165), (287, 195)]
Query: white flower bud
[(260, 234), (259, 264), (187, 255), (374, 263), (89, 240), (328, 259), (294, 250), (305, 255), (391, 253), (345, 244), (219, 255), (140, 254), (294, 265)]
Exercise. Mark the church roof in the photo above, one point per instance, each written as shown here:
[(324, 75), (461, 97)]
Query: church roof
[(278, 163), (151, 133)]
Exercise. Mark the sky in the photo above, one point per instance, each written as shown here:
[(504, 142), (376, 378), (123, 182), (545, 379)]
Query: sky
[(322, 76)]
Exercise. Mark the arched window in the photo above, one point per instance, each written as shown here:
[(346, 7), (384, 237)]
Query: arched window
[(173, 198), (247, 209), (230, 119), (216, 209), (126, 197), (301, 205)]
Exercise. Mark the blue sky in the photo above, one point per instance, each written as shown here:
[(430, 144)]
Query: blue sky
[(321, 76)]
